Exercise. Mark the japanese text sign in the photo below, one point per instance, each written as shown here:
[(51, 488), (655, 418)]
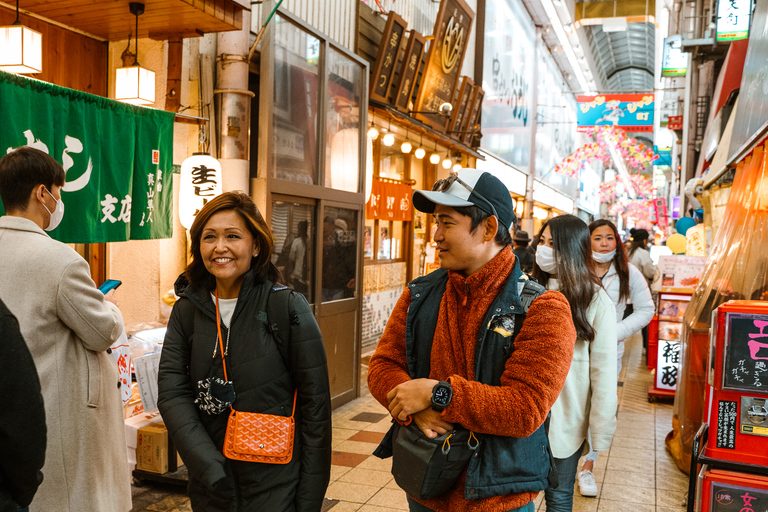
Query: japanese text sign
[(389, 48), (746, 352), (446, 56), (674, 62), (727, 412), (667, 364), (660, 206), (389, 201), (675, 123), (200, 182), (679, 273), (735, 498), (118, 158), (733, 19), (409, 69), (632, 112)]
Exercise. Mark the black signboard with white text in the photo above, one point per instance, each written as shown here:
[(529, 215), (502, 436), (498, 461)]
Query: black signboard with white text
[(746, 353)]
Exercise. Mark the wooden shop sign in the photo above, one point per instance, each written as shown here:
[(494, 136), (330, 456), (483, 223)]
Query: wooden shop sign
[(460, 109), (409, 70), (384, 69), (473, 113), (446, 55)]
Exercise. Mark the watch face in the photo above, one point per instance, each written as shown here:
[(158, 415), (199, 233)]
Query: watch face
[(441, 396)]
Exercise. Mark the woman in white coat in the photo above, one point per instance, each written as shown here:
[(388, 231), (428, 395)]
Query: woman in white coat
[(69, 328), (622, 281), (586, 407)]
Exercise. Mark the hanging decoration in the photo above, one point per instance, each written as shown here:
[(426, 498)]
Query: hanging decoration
[(636, 155)]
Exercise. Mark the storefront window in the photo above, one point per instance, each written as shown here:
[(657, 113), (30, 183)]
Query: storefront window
[(344, 92), (339, 254), (293, 229), (297, 55)]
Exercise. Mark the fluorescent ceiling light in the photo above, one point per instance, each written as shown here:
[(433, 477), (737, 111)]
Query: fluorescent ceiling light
[(614, 24), (557, 25)]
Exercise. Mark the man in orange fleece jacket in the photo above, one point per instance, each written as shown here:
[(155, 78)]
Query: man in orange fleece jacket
[(484, 373)]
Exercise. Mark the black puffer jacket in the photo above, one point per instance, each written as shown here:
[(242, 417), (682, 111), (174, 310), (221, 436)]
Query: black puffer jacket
[(22, 418), (263, 384)]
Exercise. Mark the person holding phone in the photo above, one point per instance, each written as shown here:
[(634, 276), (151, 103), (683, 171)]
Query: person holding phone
[(68, 325)]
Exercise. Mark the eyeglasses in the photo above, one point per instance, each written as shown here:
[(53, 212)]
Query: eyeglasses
[(444, 184)]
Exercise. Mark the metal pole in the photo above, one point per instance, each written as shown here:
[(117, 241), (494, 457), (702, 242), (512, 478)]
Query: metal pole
[(261, 31)]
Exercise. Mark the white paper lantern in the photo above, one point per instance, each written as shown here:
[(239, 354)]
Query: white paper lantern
[(200, 182), (135, 85), (21, 49)]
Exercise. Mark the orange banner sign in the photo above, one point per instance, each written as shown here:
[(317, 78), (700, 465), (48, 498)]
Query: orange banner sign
[(389, 201)]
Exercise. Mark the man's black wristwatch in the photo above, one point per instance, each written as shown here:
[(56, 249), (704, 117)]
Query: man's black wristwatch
[(441, 396)]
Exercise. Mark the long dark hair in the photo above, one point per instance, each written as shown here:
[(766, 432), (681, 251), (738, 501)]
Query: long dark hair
[(244, 206), (575, 268), (619, 259), (639, 238)]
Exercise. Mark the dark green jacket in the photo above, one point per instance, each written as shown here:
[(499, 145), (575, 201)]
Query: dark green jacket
[(262, 383)]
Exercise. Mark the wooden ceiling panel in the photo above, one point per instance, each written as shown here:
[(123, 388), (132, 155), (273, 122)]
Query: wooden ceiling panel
[(113, 21)]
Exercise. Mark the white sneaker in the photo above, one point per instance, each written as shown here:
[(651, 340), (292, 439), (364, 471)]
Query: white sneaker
[(587, 484)]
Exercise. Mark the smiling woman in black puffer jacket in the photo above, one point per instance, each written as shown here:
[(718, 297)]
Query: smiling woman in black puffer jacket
[(231, 249)]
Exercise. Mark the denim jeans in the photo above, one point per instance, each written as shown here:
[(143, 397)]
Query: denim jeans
[(415, 506), (560, 498)]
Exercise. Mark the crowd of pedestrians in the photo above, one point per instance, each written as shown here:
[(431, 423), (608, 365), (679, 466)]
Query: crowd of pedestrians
[(517, 348)]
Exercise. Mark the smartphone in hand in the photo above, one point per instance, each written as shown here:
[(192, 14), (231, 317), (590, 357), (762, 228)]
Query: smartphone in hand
[(108, 285)]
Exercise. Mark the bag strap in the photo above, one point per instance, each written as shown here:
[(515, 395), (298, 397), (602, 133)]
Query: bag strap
[(279, 343), (278, 322)]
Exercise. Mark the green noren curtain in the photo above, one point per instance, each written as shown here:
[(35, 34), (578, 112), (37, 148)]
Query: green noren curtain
[(118, 158)]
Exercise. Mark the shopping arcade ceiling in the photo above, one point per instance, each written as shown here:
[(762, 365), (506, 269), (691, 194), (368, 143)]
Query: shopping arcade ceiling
[(624, 60)]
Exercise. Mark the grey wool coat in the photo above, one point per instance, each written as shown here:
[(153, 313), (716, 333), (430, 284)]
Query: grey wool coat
[(68, 327)]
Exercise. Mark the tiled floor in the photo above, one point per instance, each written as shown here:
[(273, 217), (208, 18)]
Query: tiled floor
[(636, 475)]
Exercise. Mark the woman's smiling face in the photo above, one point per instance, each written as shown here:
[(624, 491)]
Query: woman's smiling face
[(227, 248)]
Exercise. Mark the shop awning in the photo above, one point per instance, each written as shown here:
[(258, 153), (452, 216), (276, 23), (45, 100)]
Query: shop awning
[(118, 158), (162, 19)]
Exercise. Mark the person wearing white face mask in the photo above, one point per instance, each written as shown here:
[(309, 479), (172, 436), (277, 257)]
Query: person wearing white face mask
[(586, 408), (623, 282), (68, 325)]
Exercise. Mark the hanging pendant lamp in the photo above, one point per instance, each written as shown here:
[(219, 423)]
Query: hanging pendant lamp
[(135, 84), (21, 48)]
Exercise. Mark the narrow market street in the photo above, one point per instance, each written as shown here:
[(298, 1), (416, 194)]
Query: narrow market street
[(637, 475)]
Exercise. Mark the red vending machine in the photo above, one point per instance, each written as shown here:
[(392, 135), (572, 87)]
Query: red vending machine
[(733, 445), (738, 383), (728, 491)]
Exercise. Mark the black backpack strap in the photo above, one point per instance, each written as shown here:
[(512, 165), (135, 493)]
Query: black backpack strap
[(278, 319), (531, 291)]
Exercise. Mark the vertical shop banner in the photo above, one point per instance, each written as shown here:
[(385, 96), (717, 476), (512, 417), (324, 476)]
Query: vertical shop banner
[(446, 56), (733, 19), (118, 158), (660, 207), (632, 112), (389, 201), (674, 62), (667, 364), (386, 61), (409, 69)]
